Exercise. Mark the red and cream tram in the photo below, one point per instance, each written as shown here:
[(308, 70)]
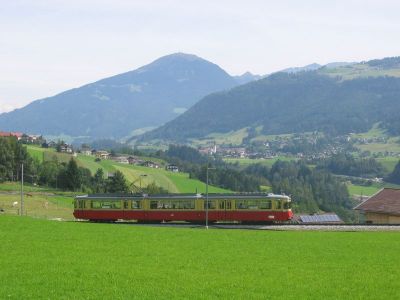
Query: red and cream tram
[(184, 207)]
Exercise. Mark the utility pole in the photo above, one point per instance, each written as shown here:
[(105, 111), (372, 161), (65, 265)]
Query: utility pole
[(22, 189), (207, 202), (207, 197)]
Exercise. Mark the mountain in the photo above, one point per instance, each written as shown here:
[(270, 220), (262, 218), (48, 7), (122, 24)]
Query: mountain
[(298, 102), (310, 67), (246, 78), (116, 106)]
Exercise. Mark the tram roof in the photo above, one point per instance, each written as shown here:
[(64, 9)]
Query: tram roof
[(182, 196)]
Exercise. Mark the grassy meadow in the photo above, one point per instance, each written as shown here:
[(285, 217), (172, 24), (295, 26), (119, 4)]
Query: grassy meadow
[(39, 202), (363, 190), (388, 162), (77, 260)]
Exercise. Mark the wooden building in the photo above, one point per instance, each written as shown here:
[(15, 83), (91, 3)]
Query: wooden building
[(382, 208)]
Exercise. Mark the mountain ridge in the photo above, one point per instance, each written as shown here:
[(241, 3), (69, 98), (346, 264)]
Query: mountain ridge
[(287, 102), (117, 105)]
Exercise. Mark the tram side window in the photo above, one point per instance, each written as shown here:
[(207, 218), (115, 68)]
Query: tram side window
[(106, 204), (265, 204), (136, 204), (247, 204), (241, 204), (252, 204), (212, 204), (182, 204), (96, 204), (76, 204), (278, 204), (81, 203), (188, 204), (171, 204)]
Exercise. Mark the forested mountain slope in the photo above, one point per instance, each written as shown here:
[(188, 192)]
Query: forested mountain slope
[(288, 103)]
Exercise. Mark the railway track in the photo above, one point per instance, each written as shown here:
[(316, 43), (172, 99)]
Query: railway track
[(280, 227)]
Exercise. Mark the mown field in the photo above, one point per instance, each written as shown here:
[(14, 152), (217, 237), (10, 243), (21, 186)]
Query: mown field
[(173, 182), (363, 190), (71, 260), (39, 202), (389, 162)]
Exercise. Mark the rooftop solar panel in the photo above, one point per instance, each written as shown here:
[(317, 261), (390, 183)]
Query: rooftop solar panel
[(319, 218)]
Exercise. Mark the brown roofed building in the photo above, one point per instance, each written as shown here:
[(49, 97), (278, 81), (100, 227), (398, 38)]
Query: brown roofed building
[(382, 208)]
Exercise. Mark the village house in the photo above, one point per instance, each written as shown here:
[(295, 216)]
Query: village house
[(32, 139), (65, 148), (151, 164), (87, 152), (236, 152), (101, 154), (208, 150), (51, 144), (134, 160), (120, 159), (382, 208), (18, 135), (172, 168)]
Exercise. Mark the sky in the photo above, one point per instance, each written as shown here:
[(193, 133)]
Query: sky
[(48, 46)]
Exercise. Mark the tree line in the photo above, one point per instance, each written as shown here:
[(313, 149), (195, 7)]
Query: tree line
[(346, 164), (312, 189), (67, 176)]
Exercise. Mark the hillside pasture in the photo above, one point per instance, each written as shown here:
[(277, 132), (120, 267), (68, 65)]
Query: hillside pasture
[(78, 260), (388, 162)]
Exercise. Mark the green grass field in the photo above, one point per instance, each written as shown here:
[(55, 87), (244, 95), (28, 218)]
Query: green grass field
[(356, 190), (67, 260), (363, 190), (40, 202), (358, 70), (389, 162)]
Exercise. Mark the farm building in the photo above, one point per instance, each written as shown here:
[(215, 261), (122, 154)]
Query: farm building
[(172, 168), (120, 159), (151, 164), (134, 160), (102, 154), (382, 208)]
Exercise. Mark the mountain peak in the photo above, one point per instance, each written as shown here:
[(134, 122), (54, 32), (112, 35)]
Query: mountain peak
[(142, 98), (181, 55)]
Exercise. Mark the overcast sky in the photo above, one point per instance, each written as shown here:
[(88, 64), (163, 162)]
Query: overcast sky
[(48, 46)]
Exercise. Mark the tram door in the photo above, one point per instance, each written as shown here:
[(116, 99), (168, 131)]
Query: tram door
[(225, 206)]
